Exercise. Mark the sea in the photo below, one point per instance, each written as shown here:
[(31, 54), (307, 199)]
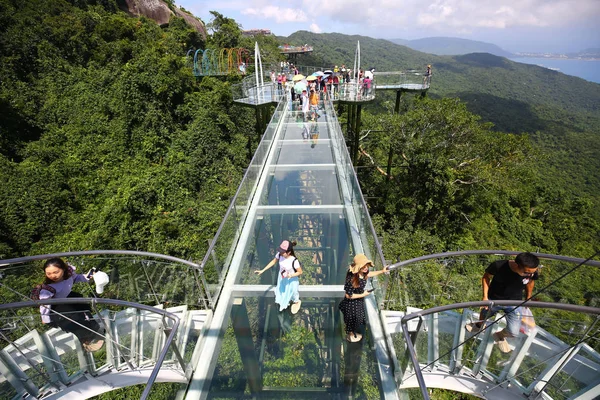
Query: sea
[(586, 69)]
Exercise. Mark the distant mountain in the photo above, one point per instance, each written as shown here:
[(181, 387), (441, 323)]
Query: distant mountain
[(447, 46), (560, 111)]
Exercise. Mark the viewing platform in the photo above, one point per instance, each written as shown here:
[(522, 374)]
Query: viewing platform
[(287, 49)]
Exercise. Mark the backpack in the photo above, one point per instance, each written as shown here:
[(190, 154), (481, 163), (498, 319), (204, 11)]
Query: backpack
[(294, 268)]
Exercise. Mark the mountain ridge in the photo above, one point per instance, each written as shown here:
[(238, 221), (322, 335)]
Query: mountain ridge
[(441, 45)]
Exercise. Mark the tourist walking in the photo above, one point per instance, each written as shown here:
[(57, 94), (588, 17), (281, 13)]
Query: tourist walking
[(506, 280), (73, 318), (290, 269)]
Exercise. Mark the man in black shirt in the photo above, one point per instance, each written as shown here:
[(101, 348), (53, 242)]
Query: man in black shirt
[(506, 280)]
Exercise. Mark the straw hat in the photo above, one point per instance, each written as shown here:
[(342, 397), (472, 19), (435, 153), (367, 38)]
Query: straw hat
[(359, 261)]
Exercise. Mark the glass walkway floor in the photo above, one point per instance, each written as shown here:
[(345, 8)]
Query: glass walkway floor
[(308, 193)]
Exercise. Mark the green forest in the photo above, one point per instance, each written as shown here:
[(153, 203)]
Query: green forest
[(108, 141)]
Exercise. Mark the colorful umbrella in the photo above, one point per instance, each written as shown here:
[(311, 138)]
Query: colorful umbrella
[(298, 77), (312, 78)]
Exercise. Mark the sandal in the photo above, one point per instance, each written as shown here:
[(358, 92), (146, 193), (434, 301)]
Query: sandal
[(93, 345), (296, 306)]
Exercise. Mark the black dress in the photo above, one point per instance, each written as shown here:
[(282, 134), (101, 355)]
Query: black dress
[(353, 309)]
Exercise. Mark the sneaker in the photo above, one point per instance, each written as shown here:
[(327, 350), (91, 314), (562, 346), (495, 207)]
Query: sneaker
[(473, 327), (502, 343), (296, 306), (93, 345)]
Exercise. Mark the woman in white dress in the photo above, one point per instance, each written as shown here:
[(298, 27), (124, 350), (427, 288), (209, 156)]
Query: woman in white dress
[(288, 283)]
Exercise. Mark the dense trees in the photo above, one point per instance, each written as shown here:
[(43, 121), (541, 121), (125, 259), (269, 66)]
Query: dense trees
[(109, 141)]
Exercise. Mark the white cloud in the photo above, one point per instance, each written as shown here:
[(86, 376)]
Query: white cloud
[(280, 15), (315, 28)]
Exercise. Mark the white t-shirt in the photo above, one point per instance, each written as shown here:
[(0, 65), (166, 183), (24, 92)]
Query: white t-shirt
[(286, 265)]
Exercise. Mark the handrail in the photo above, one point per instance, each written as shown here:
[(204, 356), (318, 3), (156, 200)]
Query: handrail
[(21, 260), (93, 301), (232, 205), (493, 252), (475, 304), (337, 126)]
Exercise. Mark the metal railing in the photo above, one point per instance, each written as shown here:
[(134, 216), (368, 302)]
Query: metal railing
[(15, 373), (408, 80), (141, 277), (565, 354), (453, 277)]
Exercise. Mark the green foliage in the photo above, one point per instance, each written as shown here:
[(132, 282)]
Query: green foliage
[(111, 143), (226, 33)]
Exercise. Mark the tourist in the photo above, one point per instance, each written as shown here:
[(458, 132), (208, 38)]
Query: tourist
[(353, 305), (288, 283), (506, 280), (73, 318)]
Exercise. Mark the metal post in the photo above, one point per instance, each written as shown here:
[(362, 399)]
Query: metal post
[(398, 96), (243, 336)]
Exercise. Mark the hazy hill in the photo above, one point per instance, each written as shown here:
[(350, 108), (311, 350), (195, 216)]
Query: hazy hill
[(452, 46), (561, 111)]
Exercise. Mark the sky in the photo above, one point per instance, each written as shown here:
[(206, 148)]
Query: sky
[(514, 25)]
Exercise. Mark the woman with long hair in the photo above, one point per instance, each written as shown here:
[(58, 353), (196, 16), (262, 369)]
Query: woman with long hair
[(73, 318), (353, 305), (288, 283)]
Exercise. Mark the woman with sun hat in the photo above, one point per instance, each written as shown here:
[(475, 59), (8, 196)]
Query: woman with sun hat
[(353, 305)]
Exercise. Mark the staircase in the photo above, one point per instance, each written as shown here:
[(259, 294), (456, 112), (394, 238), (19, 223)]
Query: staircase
[(51, 364)]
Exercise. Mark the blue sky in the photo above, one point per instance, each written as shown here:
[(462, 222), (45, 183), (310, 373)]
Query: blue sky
[(515, 25)]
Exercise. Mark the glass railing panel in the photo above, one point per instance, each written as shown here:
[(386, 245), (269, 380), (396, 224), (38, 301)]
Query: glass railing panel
[(149, 325), (449, 280), (580, 372), (323, 245), (271, 353), (122, 325), (217, 263), (447, 323), (314, 185), (131, 278), (26, 354), (65, 345)]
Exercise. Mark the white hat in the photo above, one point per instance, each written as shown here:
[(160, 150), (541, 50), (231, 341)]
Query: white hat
[(101, 280)]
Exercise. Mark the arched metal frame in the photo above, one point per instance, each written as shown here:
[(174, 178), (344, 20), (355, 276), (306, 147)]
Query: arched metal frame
[(490, 303), (493, 252), (111, 302), (203, 284)]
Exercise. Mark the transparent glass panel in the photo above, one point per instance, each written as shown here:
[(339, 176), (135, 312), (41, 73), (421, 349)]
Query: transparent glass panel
[(323, 246), (281, 355), (301, 186)]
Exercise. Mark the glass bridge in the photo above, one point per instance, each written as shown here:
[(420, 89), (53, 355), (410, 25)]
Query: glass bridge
[(184, 330)]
